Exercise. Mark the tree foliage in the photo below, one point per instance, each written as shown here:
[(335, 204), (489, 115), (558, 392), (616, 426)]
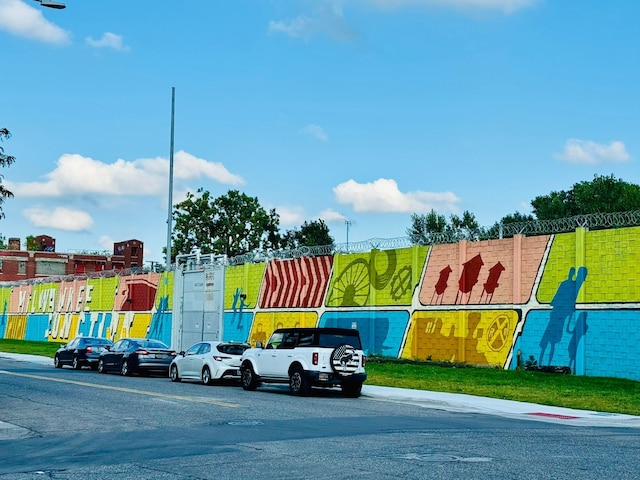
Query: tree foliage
[(314, 233), (232, 224), (604, 194), (5, 161), (424, 226)]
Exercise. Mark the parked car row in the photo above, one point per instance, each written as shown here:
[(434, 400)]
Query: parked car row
[(302, 357), (204, 361)]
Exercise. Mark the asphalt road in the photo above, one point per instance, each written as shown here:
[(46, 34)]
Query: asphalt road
[(66, 424)]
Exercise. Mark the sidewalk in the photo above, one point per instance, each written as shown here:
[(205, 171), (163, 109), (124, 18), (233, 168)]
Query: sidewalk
[(455, 402)]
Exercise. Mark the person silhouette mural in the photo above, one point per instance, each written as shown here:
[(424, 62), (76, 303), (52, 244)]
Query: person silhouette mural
[(563, 306), (579, 331)]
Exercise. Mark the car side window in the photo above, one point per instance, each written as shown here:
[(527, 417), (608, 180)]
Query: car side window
[(206, 348), (289, 340), (194, 349), (305, 340), (275, 340), (73, 343)]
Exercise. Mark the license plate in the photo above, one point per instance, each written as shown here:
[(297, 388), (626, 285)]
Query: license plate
[(159, 355)]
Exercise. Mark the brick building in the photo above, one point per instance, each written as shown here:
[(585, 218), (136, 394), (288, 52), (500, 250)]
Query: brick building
[(18, 264)]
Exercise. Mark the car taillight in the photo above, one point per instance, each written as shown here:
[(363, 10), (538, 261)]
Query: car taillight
[(142, 352), (219, 358), (89, 349), (364, 360), (314, 358), (172, 354)]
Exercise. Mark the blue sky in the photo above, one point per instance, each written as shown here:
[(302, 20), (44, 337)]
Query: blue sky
[(358, 110)]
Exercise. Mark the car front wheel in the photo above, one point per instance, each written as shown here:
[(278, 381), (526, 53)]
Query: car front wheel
[(75, 364), (248, 377), (101, 366), (173, 374), (56, 362)]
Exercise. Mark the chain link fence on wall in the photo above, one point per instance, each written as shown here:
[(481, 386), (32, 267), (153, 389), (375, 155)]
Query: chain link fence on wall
[(595, 221)]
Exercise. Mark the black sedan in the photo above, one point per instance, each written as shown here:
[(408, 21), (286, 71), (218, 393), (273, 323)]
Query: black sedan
[(81, 352), (136, 355)]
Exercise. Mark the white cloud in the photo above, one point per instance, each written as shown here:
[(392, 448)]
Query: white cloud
[(507, 6), (383, 195), (78, 175), (59, 218), (331, 216), (108, 40), (22, 20), (327, 19), (290, 216), (316, 131), (592, 153), (106, 242)]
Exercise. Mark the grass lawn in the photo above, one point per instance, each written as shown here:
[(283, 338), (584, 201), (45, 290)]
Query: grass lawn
[(586, 393)]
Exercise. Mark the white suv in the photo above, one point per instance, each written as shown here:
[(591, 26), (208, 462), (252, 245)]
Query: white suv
[(305, 358)]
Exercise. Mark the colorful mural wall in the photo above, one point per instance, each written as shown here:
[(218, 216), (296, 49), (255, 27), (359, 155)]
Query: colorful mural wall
[(570, 299)]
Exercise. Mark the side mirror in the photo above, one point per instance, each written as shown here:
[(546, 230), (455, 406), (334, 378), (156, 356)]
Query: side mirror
[(259, 345), (182, 353)]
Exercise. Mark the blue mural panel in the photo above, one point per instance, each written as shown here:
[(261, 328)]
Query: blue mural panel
[(236, 326), (591, 342), (381, 331), (162, 322), (37, 326)]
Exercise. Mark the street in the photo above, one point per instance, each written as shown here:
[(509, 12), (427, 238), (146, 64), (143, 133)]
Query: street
[(67, 424)]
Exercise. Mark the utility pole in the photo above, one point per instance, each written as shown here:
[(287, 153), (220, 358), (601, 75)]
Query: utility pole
[(170, 208)]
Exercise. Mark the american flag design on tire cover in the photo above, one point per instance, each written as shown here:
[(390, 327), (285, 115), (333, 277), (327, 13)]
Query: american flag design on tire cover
[(345, 360)]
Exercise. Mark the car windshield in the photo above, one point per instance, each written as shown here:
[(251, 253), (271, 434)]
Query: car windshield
[(231, 349), (152, 344)]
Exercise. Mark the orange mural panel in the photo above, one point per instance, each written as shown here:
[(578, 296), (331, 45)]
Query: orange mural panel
[(491, 272)]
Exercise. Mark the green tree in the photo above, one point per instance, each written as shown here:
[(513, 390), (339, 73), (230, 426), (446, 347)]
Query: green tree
[(604, 194), (3, 242), (495, 230), (232, 224), (311, 234), (5, 161), (424, 226), (32, 245)]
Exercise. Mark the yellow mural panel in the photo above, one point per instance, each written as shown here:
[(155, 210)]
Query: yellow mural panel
[(103, 291), (43, 297), (611, 258), (376, 278), (245, 280), (265, 323), (129, 325), (165, 290), (476, 337), (63, 326), (16, 327)]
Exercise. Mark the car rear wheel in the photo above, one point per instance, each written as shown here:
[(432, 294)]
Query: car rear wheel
[(206, 376), (101, 368), (56, 362), (298, 383), (124, 369), (75, 364), (173, 374), (248, 377), (352, 389)]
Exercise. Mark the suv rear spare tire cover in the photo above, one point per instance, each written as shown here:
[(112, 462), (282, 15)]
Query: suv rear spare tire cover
[(345, 360)]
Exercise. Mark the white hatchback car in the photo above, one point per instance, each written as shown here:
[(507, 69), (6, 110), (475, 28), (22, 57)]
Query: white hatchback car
[(208, 361)]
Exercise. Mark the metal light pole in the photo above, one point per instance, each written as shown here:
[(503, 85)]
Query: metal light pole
[(170, 208)]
